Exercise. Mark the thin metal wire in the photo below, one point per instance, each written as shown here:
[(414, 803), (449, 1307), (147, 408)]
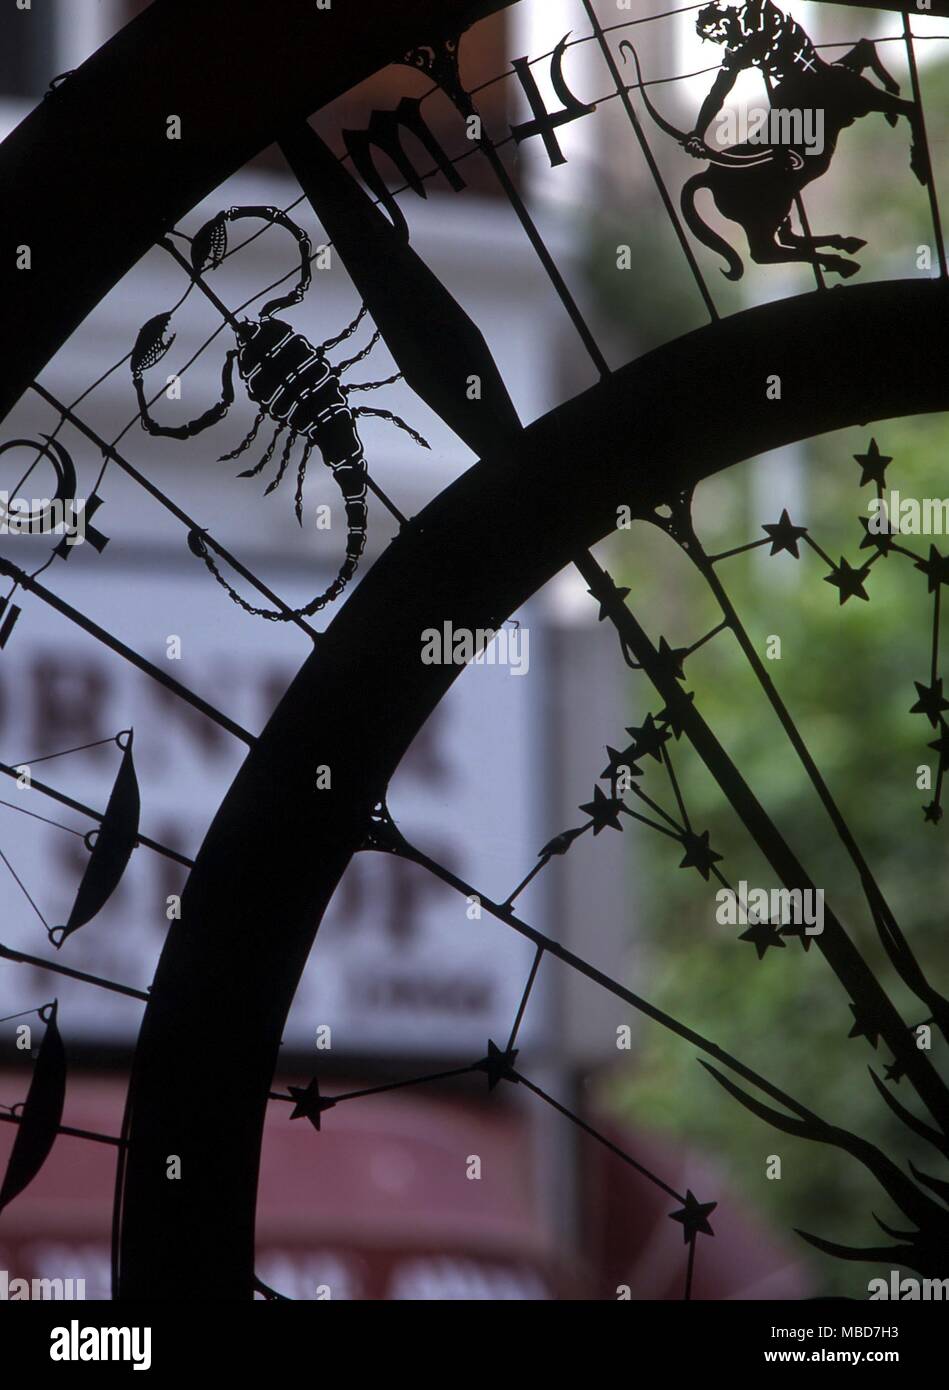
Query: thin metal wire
[(73, 1132), (65, 752), (24, 1013), (12, 806), (40, 963), (651, 164), (600, 1138), (608, 983), (518, 1018), (53, 794), (23, 889), (386, 1086), (141, 663), (931, 173), (690, 1269), (110, 452)]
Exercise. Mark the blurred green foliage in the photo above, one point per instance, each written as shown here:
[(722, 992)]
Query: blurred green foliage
[(846, 673)]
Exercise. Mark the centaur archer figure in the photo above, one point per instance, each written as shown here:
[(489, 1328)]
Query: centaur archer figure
[(753, 184)]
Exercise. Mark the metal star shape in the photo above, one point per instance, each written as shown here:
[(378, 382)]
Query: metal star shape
[(672, 721), (930, 702), (762, 935), (864, 1027), (873, 464), (698, 853), (671, 659), (941, 745), (625, 760), (878, 540), (648, 738), (309, 1103), (615, 595), (893, 1071), (497, 1065), (932, 813), (694, 1217), (785, 535), (935, 567), (848, 580), (603, 811)]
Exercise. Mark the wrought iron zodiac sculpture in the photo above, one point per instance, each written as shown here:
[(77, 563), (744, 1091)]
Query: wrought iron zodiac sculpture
[(755, 185), (293, 384)]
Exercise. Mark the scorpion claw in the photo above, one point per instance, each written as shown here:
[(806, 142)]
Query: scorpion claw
[(151, 344), (209, 246)]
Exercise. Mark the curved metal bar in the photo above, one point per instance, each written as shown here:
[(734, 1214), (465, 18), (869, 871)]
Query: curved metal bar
[(92, 183), (277, 846), (90, 179)]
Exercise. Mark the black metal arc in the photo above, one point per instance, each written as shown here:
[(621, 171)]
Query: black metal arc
[(109, 183), (258, 890), (94, 158), (90, 179)]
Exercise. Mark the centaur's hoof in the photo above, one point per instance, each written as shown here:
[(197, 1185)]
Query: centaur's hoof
[(839, 266)]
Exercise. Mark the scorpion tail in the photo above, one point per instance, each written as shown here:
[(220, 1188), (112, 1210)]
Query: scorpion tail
[(356, 518), (351, 478), (355, 545), (704, 232)]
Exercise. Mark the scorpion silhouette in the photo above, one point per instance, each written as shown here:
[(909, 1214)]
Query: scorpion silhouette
[(293, 384)]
